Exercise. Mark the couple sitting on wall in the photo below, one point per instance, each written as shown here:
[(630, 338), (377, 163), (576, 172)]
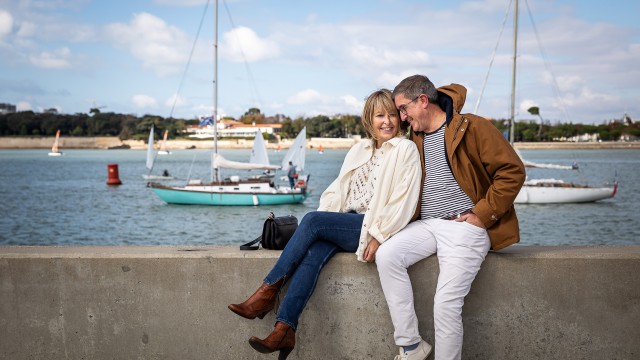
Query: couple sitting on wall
[(395, 202)]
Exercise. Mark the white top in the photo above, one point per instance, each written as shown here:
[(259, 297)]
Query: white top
[(396, 181), (360, 188)]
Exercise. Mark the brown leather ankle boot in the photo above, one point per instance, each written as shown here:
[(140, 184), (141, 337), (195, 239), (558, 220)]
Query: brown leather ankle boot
[(282, 338), (260, 303)]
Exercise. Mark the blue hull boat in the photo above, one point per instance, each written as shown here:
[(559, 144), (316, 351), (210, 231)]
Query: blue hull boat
[(245, 193)]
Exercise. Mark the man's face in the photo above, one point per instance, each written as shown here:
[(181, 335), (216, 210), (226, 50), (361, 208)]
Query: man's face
[(410, 111)]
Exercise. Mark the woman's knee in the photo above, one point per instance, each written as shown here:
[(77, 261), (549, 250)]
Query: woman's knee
[(311, 218)]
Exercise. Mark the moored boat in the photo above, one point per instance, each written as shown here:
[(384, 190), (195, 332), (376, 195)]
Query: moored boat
[(553, 191)]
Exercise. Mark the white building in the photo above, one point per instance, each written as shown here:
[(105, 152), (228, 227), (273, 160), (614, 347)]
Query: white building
[(232, 128)]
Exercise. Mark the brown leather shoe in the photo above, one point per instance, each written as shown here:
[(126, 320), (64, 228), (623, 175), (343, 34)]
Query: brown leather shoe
[(260, 303), (282, 338)]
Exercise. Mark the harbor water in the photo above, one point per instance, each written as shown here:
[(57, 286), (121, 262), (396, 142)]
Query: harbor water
[(65, 200)]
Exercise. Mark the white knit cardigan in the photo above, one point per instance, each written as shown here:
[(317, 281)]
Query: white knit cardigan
[(396, 188)]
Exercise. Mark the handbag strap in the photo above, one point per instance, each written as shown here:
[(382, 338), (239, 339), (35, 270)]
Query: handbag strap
[(249, 245)]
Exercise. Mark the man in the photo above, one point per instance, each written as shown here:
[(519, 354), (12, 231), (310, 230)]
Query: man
[(292, 175), (471, 176)]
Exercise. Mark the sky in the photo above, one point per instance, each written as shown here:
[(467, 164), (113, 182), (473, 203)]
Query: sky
[(578, 61)]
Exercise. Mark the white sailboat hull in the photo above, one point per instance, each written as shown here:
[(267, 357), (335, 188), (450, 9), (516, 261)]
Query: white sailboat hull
[(558, 193), (55, 153)]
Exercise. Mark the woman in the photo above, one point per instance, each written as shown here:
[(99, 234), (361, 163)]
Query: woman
[(373, 198)]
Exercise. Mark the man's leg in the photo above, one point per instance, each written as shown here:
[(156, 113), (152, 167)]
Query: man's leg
[(462, 247), (393, 258)]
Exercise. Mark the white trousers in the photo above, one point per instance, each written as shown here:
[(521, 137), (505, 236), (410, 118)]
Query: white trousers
[(461, 249)]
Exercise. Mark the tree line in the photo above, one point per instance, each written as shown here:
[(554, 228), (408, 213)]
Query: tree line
[(132, 127)]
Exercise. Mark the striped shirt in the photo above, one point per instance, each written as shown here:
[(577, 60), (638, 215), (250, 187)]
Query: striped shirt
[(441, 194)]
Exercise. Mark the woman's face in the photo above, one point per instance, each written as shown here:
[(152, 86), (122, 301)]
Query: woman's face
[(385, 126)]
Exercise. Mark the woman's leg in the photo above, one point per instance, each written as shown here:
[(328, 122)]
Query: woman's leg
[(303, 282), (322, 235), (340, 229)]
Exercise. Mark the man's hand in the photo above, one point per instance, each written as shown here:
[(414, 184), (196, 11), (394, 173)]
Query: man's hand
[(472, 219)]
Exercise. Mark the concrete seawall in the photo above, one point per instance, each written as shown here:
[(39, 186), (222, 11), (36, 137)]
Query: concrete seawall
[(170, 303)]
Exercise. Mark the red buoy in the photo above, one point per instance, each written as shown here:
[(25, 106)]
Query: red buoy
[(114, 178)]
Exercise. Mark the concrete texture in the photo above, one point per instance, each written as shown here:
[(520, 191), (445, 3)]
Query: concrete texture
[(170, 303)]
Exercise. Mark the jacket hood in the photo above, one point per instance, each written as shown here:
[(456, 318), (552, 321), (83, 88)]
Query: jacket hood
[(451, 99)]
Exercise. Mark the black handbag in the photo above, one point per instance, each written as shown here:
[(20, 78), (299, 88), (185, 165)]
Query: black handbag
[(276, 232)]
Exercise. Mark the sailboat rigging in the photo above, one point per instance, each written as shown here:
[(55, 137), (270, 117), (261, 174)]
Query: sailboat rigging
[(257, 190), (546, 191)]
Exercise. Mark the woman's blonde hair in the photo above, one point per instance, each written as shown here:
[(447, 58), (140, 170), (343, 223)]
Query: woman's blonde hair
[(380, 100)]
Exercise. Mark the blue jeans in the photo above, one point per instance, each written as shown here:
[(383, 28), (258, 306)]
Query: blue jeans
[(318, 237)]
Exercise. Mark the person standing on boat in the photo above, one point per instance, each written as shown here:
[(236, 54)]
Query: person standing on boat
[(471, 176), (292, 174), (372, 199)]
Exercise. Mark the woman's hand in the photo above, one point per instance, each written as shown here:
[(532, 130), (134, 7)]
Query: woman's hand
[(370, 251)]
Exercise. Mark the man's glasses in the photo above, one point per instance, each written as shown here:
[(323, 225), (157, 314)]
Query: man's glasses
[(403, 108)]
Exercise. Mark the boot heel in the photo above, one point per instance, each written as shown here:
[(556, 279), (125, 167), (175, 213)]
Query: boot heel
[(284, 353), (261, 316)]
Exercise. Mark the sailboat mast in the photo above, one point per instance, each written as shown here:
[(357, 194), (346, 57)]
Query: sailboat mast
[(513, 73), (214, 171)]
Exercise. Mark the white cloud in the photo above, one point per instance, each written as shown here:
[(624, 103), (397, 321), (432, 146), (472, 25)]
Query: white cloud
[(308, 96), (385, 57), (144, 101), (311, 103), (59, 59), (243, 43), (352, 103), (6, 24), (23, 106), (27, 29), (175, 99), (161, 47), (566, 83)]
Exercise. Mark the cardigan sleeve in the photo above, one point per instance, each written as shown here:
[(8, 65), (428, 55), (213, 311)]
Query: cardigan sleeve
[(403, 188), (330, 198)]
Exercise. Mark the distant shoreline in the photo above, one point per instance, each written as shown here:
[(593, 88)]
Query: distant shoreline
[(314, 143)]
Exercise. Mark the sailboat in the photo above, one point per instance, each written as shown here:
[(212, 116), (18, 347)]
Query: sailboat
[(252, 191), (163, 146), (151, 160), (55, 151), (260, 190), (320, 149), (549, 191)]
